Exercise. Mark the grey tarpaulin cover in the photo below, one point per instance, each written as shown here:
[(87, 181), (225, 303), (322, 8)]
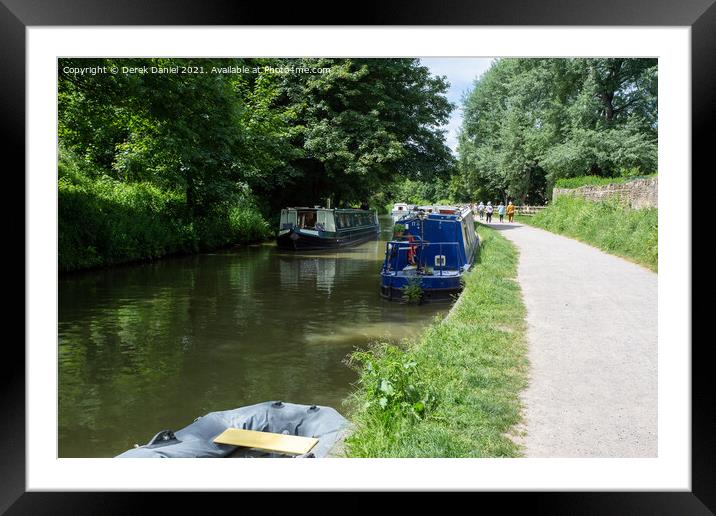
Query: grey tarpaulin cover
[(196, 440)]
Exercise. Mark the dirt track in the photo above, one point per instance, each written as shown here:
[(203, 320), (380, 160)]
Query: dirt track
[(592, 335)]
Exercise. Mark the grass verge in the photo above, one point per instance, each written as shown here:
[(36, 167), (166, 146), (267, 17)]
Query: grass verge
[(454, 392), (608, 225)]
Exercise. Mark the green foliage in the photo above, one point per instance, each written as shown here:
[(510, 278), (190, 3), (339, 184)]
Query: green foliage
[(421, 192), (213, 141), (105, 221), (364, 124), (530, 122), (465, 372), (576, 182), (606, 151), (413, 290), (392, 385), (608, 224)]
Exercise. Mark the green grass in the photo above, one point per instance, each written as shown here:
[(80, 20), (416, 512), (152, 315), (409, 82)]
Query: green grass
[(576, 182), (608, 225), (454, 392)]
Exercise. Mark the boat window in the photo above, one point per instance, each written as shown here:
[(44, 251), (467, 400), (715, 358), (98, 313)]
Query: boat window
[(307, 219), (325, 221), (330, 222), (288, 218), (321, 220)]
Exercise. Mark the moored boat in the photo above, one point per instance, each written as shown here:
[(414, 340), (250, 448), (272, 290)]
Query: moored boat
[(439, 208), (432, 255), (401, 209), (325, 228), (269, 429)]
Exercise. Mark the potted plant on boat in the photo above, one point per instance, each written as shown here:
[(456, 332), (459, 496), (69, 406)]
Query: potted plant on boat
[(398, 230)]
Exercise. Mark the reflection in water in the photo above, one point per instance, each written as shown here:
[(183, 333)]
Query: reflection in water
[(148, 347)]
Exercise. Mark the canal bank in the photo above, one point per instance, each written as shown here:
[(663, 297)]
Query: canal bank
[(454, 390)]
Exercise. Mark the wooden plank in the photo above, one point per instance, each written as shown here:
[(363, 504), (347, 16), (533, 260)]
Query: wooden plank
[(266, 441)]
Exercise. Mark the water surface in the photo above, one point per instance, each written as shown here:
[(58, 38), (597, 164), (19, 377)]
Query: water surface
[(149, 347)]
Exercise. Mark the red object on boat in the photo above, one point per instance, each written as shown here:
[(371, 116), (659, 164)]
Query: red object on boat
[(411, 249)]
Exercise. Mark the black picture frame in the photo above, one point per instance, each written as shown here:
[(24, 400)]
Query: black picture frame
[(700, 15)]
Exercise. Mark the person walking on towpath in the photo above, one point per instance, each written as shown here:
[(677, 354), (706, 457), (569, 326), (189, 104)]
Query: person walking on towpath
[(501, 211), (488, 211), (510, 211), (481, 209)]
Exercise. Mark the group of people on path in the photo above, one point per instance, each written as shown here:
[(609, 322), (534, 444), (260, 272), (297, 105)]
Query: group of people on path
[(487, 210)]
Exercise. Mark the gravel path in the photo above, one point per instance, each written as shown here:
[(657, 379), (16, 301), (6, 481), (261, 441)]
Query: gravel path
[(592, 334)]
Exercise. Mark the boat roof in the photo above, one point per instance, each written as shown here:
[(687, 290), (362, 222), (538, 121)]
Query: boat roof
[(461, 211), (316, 208)]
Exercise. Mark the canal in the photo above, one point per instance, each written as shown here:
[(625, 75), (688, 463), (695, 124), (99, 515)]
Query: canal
[(149, 347)]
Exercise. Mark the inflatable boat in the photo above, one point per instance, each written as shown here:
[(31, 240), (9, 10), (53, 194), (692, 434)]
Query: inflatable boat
[(269, 429)]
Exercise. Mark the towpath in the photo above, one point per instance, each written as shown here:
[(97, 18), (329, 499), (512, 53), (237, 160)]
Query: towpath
[(592, 337)]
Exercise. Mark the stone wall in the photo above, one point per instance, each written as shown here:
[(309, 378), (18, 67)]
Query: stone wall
[(639, 193)]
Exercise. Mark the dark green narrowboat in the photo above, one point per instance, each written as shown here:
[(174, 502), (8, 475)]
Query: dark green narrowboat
[(325, 228)]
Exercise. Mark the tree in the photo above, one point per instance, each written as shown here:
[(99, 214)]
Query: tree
[(530, 121), (205, 134), (364, 124)]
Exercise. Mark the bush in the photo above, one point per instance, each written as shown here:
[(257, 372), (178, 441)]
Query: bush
[(413, 291), (106, 222), (237, 222), (102, 221), (391, 384), (576, 182)]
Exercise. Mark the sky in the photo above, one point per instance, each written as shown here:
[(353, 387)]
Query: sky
[(461, 73)]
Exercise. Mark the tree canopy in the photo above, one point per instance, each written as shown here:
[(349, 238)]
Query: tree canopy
[(290, 138), (529, 122), (208, 149)]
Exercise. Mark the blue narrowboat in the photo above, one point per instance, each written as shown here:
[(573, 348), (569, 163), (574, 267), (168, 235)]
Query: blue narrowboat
[(325, 228), (434, 251)]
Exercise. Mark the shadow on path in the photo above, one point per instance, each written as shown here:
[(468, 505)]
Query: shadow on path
[(501, 226)]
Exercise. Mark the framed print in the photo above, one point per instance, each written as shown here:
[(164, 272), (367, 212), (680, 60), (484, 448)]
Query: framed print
[(226, 232)]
